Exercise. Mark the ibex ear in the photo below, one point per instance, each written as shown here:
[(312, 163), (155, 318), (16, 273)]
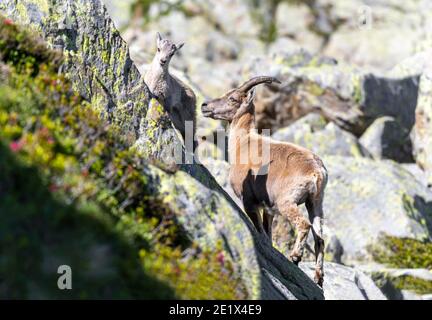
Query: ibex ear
[(180, 46), (251, 96), (158, 38)]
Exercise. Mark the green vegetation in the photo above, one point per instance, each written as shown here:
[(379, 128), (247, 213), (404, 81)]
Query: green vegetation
[(405, 253), (72, 192), (417, 285)]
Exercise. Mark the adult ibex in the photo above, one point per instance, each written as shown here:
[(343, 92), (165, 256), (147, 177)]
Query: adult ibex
[(289, 176)]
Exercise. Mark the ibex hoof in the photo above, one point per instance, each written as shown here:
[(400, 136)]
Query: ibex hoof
[(319, 278), (295, 259)]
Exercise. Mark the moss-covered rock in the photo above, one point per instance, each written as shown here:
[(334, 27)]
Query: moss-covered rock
[(345, 283), (407, 265), (422, 133), (365, 198), (345, 95), (385, 138)]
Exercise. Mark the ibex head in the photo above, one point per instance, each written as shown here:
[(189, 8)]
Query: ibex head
[(165, 50), (235, 102)]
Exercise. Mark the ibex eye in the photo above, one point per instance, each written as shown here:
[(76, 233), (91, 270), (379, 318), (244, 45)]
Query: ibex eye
[(158, 49)]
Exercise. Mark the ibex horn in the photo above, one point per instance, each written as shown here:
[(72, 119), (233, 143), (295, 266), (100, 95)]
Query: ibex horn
[(245, 87)]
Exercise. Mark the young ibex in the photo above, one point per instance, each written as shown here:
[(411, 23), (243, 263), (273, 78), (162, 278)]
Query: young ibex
[(290, 176), (177, 98)]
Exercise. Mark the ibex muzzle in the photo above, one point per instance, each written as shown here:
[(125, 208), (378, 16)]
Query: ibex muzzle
[(226, 107)]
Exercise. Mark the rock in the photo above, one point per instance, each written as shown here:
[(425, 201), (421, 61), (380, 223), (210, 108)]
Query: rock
[(344, 95), (283, 45), (119, 11), (424, 274), (312, 122), (417, 173), (239, 22), (221, 48), (426, 297), (422, 132), (99, 66), (345, 283), (365, 198), (420, 273), (385, 138), (220, 169), (391, 280), (376, 35), (293, 22), (409, 295), (334, 249), (330, 140)]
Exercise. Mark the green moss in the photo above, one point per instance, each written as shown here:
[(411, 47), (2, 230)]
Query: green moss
[(403, 253), (358, 90), (315, 89), (419, 286)]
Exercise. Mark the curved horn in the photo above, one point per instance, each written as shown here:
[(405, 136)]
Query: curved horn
[(245, 87)]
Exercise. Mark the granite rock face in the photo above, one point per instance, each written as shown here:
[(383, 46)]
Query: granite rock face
[(328, 140), (365, 198), (343, 94), (385, 138), (345, 283), (422, 132)]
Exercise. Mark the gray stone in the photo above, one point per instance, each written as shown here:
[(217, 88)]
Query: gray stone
[(385, 138), (334, 249), (422, 132), (344, 95), (293, 22), (376, 35), (119, 11), (345, 283), (365, 198), (331, 140), (416, 172), (409, 295)]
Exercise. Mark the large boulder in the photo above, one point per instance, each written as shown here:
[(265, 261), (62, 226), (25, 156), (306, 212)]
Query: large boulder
[(385, 138), (100, 68), (376, 35), (293, 21), (344, 95), (417, 172), (328, 140), (345, 283), (365, 198), (422, 133), (401, 283)]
